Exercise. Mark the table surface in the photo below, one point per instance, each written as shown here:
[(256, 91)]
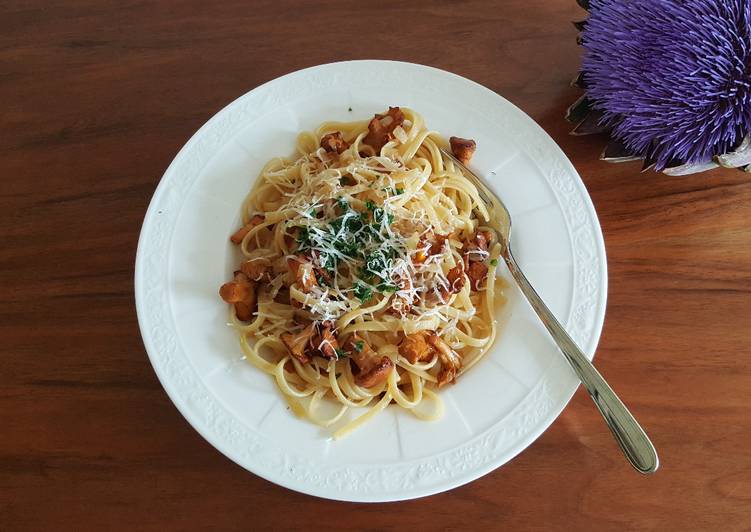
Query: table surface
[(97, 97)]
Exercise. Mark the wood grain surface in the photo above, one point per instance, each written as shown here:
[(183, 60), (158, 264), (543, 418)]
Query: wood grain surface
[(96, 97)]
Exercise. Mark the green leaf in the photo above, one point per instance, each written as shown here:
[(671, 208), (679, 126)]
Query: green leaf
[(363, 292), (494, 262), (303, 238), (359, 346), (328, 261), (387, 287), (348, 248)]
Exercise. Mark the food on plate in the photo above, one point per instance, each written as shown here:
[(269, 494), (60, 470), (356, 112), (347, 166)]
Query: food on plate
[(368, 273)]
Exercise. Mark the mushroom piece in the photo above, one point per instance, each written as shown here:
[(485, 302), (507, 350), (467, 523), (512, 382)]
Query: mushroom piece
[(422, 252), (451, 362), (334, 142), (237, 236), (257, 269), (477, 272), (297, 344), (378, 374), (415, 347), (401, 304), (325, 341), (303, 271), (455, 277), (428, 245), (372, 369), (439, 241), (476, 248), (463, 149), (360, 352), (242, 293), (381, 128)]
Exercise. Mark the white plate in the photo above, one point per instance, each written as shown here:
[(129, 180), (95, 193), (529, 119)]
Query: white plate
[(492, 413)]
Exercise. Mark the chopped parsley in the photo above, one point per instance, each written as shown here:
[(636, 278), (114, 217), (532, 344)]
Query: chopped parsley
[(378, 215), (494, 262), (345, 247), (378, 261), (340, 236), (362, 241), (359, 346), (340, 353), (363, 292), (387, 287), (303, 238), (328, 261), (348, 223)]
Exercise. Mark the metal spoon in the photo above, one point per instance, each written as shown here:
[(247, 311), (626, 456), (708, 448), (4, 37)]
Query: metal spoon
[(630, 436)]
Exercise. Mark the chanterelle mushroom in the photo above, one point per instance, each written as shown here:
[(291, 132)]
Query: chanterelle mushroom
[(450, 361), (373, 370), (296, 344)]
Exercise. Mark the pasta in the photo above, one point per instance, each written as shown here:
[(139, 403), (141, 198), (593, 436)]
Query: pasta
[(368, 274)]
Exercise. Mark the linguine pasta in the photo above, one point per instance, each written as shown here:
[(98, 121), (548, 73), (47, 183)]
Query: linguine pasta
[(368, 275)]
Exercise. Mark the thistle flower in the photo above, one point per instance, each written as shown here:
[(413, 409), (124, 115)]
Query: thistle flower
[(670, 80)]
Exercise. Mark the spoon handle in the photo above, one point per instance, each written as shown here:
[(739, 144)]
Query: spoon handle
[(630, 436)]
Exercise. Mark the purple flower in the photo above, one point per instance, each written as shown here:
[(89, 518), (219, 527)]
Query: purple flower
[(672, 78)]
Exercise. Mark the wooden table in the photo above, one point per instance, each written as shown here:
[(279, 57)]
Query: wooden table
[(97, 97)]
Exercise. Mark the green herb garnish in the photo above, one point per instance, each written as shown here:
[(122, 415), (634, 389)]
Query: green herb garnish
[(387, 287), (359, 346), (358, 239), (378, 261), (378, 216), (303, 238), (494, 262), (328, 262), (363, 292)]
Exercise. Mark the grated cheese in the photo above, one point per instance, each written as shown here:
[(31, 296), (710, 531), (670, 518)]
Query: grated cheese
[(366, 234)]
